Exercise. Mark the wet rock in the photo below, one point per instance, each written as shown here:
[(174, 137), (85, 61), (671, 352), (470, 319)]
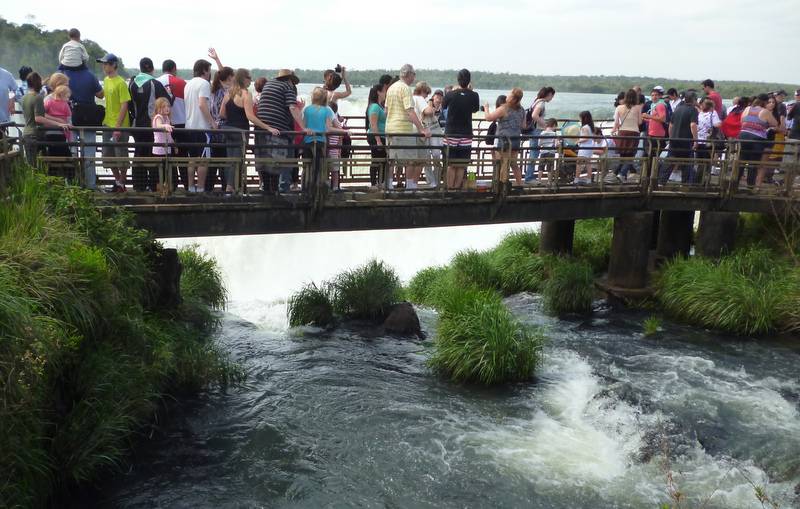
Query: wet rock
[(168, 268), (403, 320)]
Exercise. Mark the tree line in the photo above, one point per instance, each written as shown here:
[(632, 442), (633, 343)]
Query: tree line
[(29, 44)]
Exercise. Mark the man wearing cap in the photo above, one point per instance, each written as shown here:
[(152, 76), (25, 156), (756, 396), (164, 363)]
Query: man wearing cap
[(708, 89), (85, 87), (277, 107), (401, 121), (117, 96), (144, 90), (656, 121)]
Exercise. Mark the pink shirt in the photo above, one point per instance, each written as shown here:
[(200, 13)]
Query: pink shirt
[(58, 108), (654, 127), (161, 139)]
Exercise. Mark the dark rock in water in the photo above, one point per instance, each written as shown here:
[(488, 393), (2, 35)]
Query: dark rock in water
[(168, 268), (402, 319)]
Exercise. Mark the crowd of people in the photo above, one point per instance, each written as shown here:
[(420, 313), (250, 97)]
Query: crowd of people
[(410, 128)]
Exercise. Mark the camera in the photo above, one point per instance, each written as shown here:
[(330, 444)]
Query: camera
[(338, 68)]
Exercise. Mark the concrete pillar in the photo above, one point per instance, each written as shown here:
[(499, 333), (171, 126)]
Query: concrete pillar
[(630, 250), (675, 229), (716, 234), (556, 236)]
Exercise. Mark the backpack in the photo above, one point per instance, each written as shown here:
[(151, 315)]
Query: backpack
[(732, 125), (490, 133), (668, 119)]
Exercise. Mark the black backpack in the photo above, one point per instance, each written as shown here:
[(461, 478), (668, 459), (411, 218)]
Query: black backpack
[(490, 133)]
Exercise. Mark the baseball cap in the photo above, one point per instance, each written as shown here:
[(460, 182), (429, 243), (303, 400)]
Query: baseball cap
[(659, 89), (109, 58)]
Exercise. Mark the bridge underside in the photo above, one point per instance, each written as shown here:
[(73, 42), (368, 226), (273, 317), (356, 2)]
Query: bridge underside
[(200, 216)]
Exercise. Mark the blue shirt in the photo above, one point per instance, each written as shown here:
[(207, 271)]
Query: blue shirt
[(376, 109), (83, 85), (315, 118), (7, 84)]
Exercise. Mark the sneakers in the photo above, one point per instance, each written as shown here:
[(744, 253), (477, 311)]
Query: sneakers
[(633, 178)]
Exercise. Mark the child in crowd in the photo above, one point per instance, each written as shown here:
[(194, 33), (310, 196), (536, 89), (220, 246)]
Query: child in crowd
[(73, 55), (335, 146), (586, 148), (318, 117), (547, 149), (162, 136), (56, 107)]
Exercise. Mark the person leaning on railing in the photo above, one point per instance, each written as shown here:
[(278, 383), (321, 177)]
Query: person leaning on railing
[(34, 114), (793, 122), (510, 118), (376, 129), (756, 121), (318, 117), (683, 134), (402, 123), (461, 104), (627, 118), (708, 123)]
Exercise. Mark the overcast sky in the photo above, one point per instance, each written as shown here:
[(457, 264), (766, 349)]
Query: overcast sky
[(730, 39)]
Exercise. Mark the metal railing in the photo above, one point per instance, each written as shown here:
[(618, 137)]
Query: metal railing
[(252, 162)]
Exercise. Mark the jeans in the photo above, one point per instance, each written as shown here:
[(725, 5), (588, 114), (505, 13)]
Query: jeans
[(530, 168), (679, 150), (277, 176)]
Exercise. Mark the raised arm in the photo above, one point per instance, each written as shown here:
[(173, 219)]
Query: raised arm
[(496, 114), (212, 54), (347, 88)]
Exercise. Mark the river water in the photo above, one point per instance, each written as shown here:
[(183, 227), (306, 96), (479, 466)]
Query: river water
[(350, 419)]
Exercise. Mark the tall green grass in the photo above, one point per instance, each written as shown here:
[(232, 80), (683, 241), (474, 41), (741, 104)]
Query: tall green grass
[(366, 292), (569, 287), (84, 355), (311, 305), (749, 292), (479, 340), (592, 242)]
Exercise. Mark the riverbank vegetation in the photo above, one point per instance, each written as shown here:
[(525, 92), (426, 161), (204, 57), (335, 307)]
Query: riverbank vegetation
[(752, 291), (86, 351)]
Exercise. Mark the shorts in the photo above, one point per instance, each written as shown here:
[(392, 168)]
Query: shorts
[(402, 154), (277, 148), (752, 146), (120, 149), (504, 144), (457, 150), (200, 144)]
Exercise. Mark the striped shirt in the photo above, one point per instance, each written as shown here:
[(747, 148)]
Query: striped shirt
[(274, 103)]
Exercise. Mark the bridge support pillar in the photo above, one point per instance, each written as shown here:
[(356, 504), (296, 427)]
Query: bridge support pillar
[(675, 229), (630, 250), (556, 236), (717, 233)]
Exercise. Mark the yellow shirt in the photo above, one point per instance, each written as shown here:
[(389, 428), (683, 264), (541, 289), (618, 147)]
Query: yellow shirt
[(116, 94), (398, 100)]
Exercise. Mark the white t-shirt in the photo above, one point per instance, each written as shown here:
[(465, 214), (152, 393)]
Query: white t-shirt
[(195, 89), (419, 106)]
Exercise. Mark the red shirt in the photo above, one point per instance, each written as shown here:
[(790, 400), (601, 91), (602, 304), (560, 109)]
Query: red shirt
[(714, 96), (654, 127)]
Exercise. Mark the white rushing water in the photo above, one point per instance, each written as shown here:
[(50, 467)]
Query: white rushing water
[(594, 426)]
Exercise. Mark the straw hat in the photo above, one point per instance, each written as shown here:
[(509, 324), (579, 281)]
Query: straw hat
[(290, 73)]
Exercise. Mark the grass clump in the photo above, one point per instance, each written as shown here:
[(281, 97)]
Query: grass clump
[(744, 293), (519, 271), (366, 292), (592, 242), (85, 354), (522, 241), (311, 305), (569, 287), (423, 286), (651, 325), (479, 340), (473, 268)]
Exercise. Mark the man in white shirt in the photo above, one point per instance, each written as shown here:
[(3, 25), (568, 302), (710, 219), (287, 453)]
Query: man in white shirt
[(197, 100)]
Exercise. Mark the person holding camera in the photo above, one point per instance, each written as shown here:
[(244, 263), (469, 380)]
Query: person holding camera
[(333, 79)]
